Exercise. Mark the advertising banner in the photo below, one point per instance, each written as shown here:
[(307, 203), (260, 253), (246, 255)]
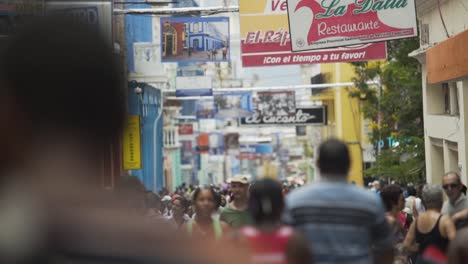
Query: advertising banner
[(216, 144), (317, 24), (231, 141), (302, 116), (194, 86), (205, 109), (265, 39), (195, 39), (186, 129), (203, 143), (233, 105), (276, 103), (132, 144), (187, 153), (248, 151)]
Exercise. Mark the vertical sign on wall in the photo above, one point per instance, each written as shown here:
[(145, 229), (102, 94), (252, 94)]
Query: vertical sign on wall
[(132, 144)]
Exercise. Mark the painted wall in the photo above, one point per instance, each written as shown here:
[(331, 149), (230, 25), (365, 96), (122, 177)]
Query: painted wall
[(344, 114)]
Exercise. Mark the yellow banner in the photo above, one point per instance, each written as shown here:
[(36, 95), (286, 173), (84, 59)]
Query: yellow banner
[(132, 144)]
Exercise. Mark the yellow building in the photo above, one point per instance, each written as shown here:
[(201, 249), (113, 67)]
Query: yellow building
[(344, 116)]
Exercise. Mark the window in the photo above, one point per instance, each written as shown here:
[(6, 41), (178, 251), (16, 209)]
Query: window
[(451, 105)]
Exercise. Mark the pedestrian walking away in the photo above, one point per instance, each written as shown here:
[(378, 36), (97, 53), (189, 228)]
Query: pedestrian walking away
[(269, 240), (431, 228), (343, 223)]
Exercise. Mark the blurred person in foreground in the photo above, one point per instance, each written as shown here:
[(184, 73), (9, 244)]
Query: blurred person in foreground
[(235, 213), (343, 223), (431, 229), (268, 240), (62, 101), (457, 204), (458, 248)]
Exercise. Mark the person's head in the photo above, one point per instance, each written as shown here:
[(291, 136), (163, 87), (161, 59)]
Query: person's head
[(333, 158), (411, 191), (376, 185), (206, 201), (392, 197), (179, 206), (59, 80), (266, 201), (452, 185), (240, 187), (432, 197), (223, 200)]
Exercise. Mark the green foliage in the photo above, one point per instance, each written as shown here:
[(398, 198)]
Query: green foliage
[(401, 112)]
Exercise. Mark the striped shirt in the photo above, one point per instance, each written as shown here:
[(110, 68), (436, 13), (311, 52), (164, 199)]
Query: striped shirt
[(342, 222)]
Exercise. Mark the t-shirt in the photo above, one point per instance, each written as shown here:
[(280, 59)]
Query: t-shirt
[(460, 204), (268, 248), (341, 222), (235, 218)]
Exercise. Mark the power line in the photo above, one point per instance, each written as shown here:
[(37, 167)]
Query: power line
[(182, 10)]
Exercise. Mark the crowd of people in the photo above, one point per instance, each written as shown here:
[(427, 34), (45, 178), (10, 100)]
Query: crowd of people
[(62, 103), (330, 221)]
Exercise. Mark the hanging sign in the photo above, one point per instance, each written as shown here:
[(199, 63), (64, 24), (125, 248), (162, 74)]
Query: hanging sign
[(132, 144), (303, 116), (186, 129), (265, 39), (319, 24)]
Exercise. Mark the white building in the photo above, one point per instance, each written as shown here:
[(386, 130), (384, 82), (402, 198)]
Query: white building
[(444, 59)]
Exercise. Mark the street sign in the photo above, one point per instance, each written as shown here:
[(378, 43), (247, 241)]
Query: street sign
[(302, 116)]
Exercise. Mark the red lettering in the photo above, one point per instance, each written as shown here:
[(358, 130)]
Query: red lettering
[(276, 3)]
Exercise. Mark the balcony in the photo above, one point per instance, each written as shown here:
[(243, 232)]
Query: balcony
[(171, 137)]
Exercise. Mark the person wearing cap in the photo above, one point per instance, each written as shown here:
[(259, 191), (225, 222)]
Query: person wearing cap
[(235, 213)]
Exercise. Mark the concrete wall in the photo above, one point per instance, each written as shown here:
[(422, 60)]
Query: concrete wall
[(445, 132)]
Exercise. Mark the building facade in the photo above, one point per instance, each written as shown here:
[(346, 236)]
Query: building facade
[(444, 61)]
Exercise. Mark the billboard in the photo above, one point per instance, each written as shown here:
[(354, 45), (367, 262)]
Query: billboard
[(187, 86), (187, 153), (276, 103), (195, 39), (316, 24), (186, 129), (302, 116), (233, 105), (265, 39), (205, 109)]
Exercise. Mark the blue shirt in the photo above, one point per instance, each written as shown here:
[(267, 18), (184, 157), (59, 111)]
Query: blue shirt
[(343, 223)]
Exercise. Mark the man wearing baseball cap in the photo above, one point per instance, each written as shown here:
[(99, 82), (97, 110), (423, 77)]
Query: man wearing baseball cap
[(235, 213)]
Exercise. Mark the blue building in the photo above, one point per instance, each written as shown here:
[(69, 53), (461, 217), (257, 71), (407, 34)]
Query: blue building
[(203, 36), (146, 104)]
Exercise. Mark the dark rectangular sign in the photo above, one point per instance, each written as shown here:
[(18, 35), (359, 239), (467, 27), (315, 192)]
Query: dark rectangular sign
[(303, 116)]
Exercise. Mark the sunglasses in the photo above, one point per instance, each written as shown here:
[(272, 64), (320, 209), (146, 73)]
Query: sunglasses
[(452, 186)]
